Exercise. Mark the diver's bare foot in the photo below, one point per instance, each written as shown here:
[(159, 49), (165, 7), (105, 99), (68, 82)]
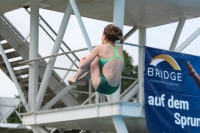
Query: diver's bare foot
[(72, 81)]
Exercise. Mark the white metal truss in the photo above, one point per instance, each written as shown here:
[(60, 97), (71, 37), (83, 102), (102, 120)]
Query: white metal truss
[(21, 94), (33, 53), (188, 40), (51, 62), (177, 33), (142, 41)]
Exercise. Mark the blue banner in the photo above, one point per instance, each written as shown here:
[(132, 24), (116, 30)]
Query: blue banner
[(172, 91)]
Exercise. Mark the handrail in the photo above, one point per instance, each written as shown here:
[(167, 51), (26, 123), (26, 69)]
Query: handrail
[(131, 87), (26, 43), (55, 35)]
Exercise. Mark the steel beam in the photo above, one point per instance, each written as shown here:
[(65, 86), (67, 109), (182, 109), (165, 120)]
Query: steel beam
[(14, 79), (84, 32), (177, 33), (188, 40), (33, 53), (51, 62), (35, 129), (80, 21), (118, 13), (133, 30), (57, 97), (119, 124), (142, 41), (118, 20)]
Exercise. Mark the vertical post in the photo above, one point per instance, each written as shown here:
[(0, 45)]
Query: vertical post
[(96, 97), (142, 41), (177, 33), (118, 20), (51, 62), (90, 91), (118, 14), (119, 124), (33, 53)]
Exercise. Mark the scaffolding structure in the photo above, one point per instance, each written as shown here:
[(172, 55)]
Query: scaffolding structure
[(96, 112)]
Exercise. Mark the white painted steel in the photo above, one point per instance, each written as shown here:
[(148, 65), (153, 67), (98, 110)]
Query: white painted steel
[(42, 129), (53, 130), (90, 111), (131, 93), (96, 97), (80, 21), (7, 106), (89, 99), (148, 13), (18, 114), (120, 126), (35, 130), (132, 31), (68, 71), (57, 97), (12, 37), (118, 13), (51, 62), (177, 33), (33, 53), (90, 91), (142, 41), (188, 40), (14, 79), (94, 117), (118, 20)]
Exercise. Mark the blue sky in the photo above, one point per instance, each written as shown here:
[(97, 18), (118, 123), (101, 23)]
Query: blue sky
[(159, 37)]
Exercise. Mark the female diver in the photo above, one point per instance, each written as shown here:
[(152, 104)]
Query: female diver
[(104, 64)]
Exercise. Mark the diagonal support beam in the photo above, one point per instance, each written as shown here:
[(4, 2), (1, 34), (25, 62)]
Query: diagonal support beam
[(119, 124), (188, 41), (133, 30), (51, 62), (177, 33), (14, 79), (57, 97), (80, 21)]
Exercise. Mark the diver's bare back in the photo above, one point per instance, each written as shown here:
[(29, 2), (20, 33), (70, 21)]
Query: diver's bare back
[(112, 69)]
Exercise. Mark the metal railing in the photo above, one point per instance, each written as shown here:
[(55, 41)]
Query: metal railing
[(132, 49)]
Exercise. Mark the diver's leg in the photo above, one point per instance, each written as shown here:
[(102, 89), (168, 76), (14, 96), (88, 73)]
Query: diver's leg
[(95, 72), (83, 79), (78, 74)]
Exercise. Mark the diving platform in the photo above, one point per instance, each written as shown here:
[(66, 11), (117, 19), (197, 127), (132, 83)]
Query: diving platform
[(40, 82), (94, 117)]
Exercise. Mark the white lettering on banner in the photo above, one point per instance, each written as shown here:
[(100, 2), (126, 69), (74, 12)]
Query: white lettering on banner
[(157, 101), (174, 103), (186, 121), (178, 104), (164, 74)]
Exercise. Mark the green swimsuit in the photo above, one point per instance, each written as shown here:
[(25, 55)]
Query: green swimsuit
[(104, 87)]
